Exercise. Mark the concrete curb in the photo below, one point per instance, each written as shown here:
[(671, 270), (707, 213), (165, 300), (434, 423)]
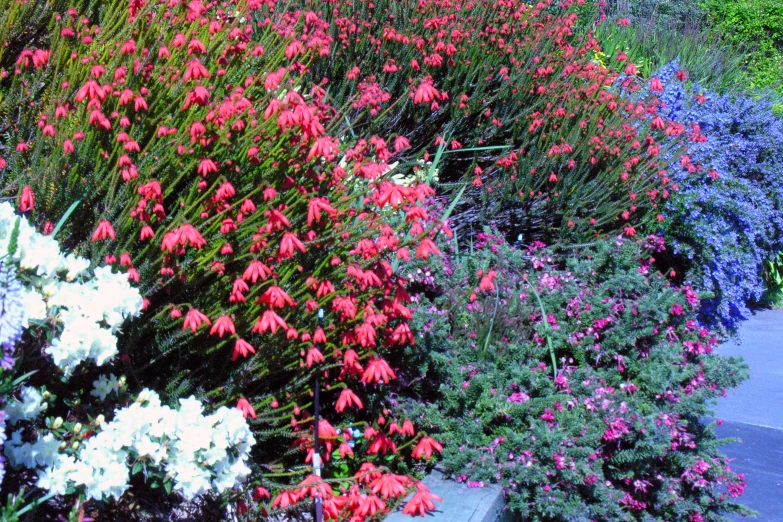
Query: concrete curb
[(461, 503)]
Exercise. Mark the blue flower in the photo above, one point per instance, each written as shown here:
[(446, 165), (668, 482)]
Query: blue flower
[(723, 229), (11, 313)]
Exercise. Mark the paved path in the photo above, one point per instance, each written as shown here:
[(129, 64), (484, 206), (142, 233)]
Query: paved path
[(754, 412)]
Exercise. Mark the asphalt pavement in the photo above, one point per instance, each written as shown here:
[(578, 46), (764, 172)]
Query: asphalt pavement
[(754, 413)]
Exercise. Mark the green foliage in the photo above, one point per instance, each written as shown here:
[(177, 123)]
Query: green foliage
[(773, 274), (616, 434), (756, 25), (676, 15), (10, 511), (651, 44)]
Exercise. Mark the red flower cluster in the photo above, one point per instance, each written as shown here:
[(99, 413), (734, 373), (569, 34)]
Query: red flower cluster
[(536, 94), (209, 163)]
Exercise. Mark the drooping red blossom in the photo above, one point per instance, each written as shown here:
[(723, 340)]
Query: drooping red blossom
[(377, 370), (222, 325), (27, 199), (425, 447), (246, 408), (422, 501), (103, 231), (194, 320), (347, 399)]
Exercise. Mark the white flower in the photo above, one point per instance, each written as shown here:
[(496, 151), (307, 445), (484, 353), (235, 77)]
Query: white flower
[(75, 266), (45, 450), (56, 478), (34, 307), (89, 312), (26, 409), (104, 386)]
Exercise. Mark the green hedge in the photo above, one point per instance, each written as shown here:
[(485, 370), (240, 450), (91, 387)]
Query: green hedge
[(756, 25)]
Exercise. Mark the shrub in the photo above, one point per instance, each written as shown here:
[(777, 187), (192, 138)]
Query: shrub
[(728, 46), (727, 217), (677, 16), (758, 26), (579, 388), (505, 94), (64, 318), (207, 168)]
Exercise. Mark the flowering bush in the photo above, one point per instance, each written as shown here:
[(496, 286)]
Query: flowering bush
[(653, 37), (506, 94), (78, 320), (578, 387), (198, 454), (727, 217), (211, 172)]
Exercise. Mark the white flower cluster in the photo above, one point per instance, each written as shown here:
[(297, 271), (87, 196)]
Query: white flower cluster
[(198, 453), (90, 312)]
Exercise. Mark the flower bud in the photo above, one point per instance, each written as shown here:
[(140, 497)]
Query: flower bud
[(57, 423), (78, 427), (100, 419), (75, 445)]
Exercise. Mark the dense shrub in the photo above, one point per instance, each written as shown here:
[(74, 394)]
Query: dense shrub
[(200, 165), (741, 40), (727, 217), (758, 26), (579, 388), (511, 92), (675, 15)]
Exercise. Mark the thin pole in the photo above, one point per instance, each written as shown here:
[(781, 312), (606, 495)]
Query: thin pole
[(319, 516)]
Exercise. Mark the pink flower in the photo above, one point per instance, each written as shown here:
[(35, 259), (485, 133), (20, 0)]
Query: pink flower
[(194, 319), (27, 199), (246, 408), (223, 325), (103, 231)]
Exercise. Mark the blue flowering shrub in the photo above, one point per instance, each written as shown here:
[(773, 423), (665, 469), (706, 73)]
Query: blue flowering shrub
[(727, 216)]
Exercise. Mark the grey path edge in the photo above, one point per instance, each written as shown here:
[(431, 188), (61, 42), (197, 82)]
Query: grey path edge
[(754, 413), (759, 456), (460, 502)]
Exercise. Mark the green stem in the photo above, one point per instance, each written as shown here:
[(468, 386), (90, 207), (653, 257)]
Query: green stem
[(548, 338), (494, 314), (35, 503)]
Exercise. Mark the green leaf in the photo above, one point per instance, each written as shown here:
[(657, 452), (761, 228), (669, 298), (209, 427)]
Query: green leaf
[(65, 216), (434, 166), (14, 241), (137, 467), (451, 207), (21, 378)]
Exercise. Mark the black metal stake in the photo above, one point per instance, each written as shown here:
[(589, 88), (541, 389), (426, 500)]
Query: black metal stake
[(319, 516)]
